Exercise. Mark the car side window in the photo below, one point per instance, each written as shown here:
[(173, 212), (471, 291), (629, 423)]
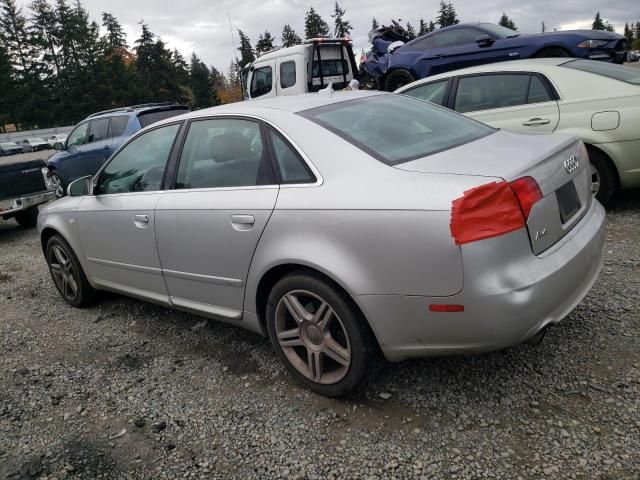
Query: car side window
[(458, 36), (223, 152), (99, 130), (261, 82), (292, 168), (79, 135), (431, 92), (538, 93), (118, 126), (140, 165), (484, 92), (423, 44), (287, 74)]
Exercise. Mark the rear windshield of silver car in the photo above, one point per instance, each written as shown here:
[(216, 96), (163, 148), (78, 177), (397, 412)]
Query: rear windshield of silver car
[(396, 129), (609, 70)]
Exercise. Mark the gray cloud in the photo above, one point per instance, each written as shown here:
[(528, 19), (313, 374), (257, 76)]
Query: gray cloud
[(202, 26)]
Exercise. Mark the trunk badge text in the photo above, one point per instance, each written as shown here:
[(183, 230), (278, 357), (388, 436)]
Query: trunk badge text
[(541, 233), (571, 164)]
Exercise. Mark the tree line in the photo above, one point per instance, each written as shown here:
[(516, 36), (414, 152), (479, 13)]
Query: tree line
[(56, 67)]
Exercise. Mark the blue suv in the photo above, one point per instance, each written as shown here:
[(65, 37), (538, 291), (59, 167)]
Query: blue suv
[(95, 139)]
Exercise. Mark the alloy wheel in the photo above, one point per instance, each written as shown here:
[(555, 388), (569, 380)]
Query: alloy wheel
[(57, 185), (595, 180), (63, 273), (312, 337)]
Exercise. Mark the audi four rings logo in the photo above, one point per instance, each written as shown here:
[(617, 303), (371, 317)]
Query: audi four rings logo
[(571, 164)]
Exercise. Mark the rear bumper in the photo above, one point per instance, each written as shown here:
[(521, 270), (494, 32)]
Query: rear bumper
[(8, 208), (508, 296)]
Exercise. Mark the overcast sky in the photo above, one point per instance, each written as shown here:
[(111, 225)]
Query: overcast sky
[(202, 25)]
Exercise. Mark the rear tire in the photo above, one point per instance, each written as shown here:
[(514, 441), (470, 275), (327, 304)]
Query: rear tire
[(552, 53), (398, 78), (327, 345), (67, 274), (28, 218), (604, 179)]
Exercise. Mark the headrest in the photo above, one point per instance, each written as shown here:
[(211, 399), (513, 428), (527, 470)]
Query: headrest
[(229, 146)]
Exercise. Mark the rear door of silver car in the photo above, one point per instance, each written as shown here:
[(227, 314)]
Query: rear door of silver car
[(210, 221)]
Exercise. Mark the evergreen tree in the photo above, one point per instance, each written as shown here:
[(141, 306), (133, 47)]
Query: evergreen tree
[(423, 28), (411, 32), (432, 26), (115, 37), (342, 27), (507, 22), (314, 25), (452, 15), (543, 27), (597, 24), (290, 37), (374, 23), (200, 83), (264, 43), (13, 31), (447, 15), (7, 93), (628, 33), (246, 51)]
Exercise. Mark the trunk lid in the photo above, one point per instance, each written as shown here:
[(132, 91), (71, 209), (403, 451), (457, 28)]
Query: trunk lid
[(558, 164), (21, 178)]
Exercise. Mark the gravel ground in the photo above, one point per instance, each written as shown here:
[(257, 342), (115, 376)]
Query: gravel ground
[(126, 389)]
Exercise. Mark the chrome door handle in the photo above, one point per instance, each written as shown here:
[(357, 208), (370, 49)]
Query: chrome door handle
[(536, 121), (141, 218)]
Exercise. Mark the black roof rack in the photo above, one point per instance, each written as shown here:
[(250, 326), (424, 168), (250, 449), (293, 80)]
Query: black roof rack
[(113, 110), (157, 104)]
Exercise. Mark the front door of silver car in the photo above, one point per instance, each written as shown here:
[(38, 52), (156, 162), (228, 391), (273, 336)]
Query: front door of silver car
[(209, 223), (116, 225)]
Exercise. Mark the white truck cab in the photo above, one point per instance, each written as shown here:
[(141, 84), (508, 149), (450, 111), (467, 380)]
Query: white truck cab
[(304, 68)]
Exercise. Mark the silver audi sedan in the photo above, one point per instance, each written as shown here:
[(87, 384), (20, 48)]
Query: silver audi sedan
[(339, 225)]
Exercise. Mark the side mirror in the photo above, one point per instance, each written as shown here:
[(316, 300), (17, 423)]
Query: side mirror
[(58, 146), (484, 39), (81, 186)]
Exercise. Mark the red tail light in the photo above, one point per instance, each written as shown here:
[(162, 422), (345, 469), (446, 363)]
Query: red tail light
[(493, 209)]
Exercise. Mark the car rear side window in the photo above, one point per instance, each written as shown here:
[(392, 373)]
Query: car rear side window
[(615, 72), (140, 165), (292, 168), (423, 44), (223, 152), (261, 82), (484, 92), (396, 128), (431, 92), (151, 117), (99, 130), (537, 91), (287, 74), (118, 125), (458, 36)]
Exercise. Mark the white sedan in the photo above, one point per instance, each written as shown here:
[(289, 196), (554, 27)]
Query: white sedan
[(34, 144), (597, 101), (53, 139)]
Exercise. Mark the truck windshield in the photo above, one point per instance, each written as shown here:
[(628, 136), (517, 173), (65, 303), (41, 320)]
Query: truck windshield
[(396, 129)]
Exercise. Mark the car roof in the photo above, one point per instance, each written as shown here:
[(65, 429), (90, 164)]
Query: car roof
[(134, 109), (534, 65), (288, 103)]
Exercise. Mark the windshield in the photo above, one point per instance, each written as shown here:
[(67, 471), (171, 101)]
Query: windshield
[(498, 31), (396, 129), (609, 70)]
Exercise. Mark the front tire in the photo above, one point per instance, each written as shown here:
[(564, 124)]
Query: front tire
[(59, 185), (319, 334), (604, 181), (398, 78), (28, 218), (67, 273)]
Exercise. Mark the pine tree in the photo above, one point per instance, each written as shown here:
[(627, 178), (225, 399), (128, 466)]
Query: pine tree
[(200, 83), (314, 25), (423, 28), (447, 15), (374, 23), (342, 27), (432, 26), (290, 37), (452, 15), (507, 22), (543, 27), (411, 32), (628, 33), (246, 51), (598, 24), (13, 31), (7, 86), (115, 37), (264, 43)]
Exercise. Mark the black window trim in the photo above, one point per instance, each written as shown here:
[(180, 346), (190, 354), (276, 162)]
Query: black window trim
[(171, 174), (553, 94), (131, 139)]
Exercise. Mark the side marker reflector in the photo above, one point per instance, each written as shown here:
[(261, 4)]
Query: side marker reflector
[(436, 307)]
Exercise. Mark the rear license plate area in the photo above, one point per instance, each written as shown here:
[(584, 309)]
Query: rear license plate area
[(568, 201)]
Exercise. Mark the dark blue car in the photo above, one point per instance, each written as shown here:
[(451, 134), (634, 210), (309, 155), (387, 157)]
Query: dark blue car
[(95, 139), (466, 45)]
